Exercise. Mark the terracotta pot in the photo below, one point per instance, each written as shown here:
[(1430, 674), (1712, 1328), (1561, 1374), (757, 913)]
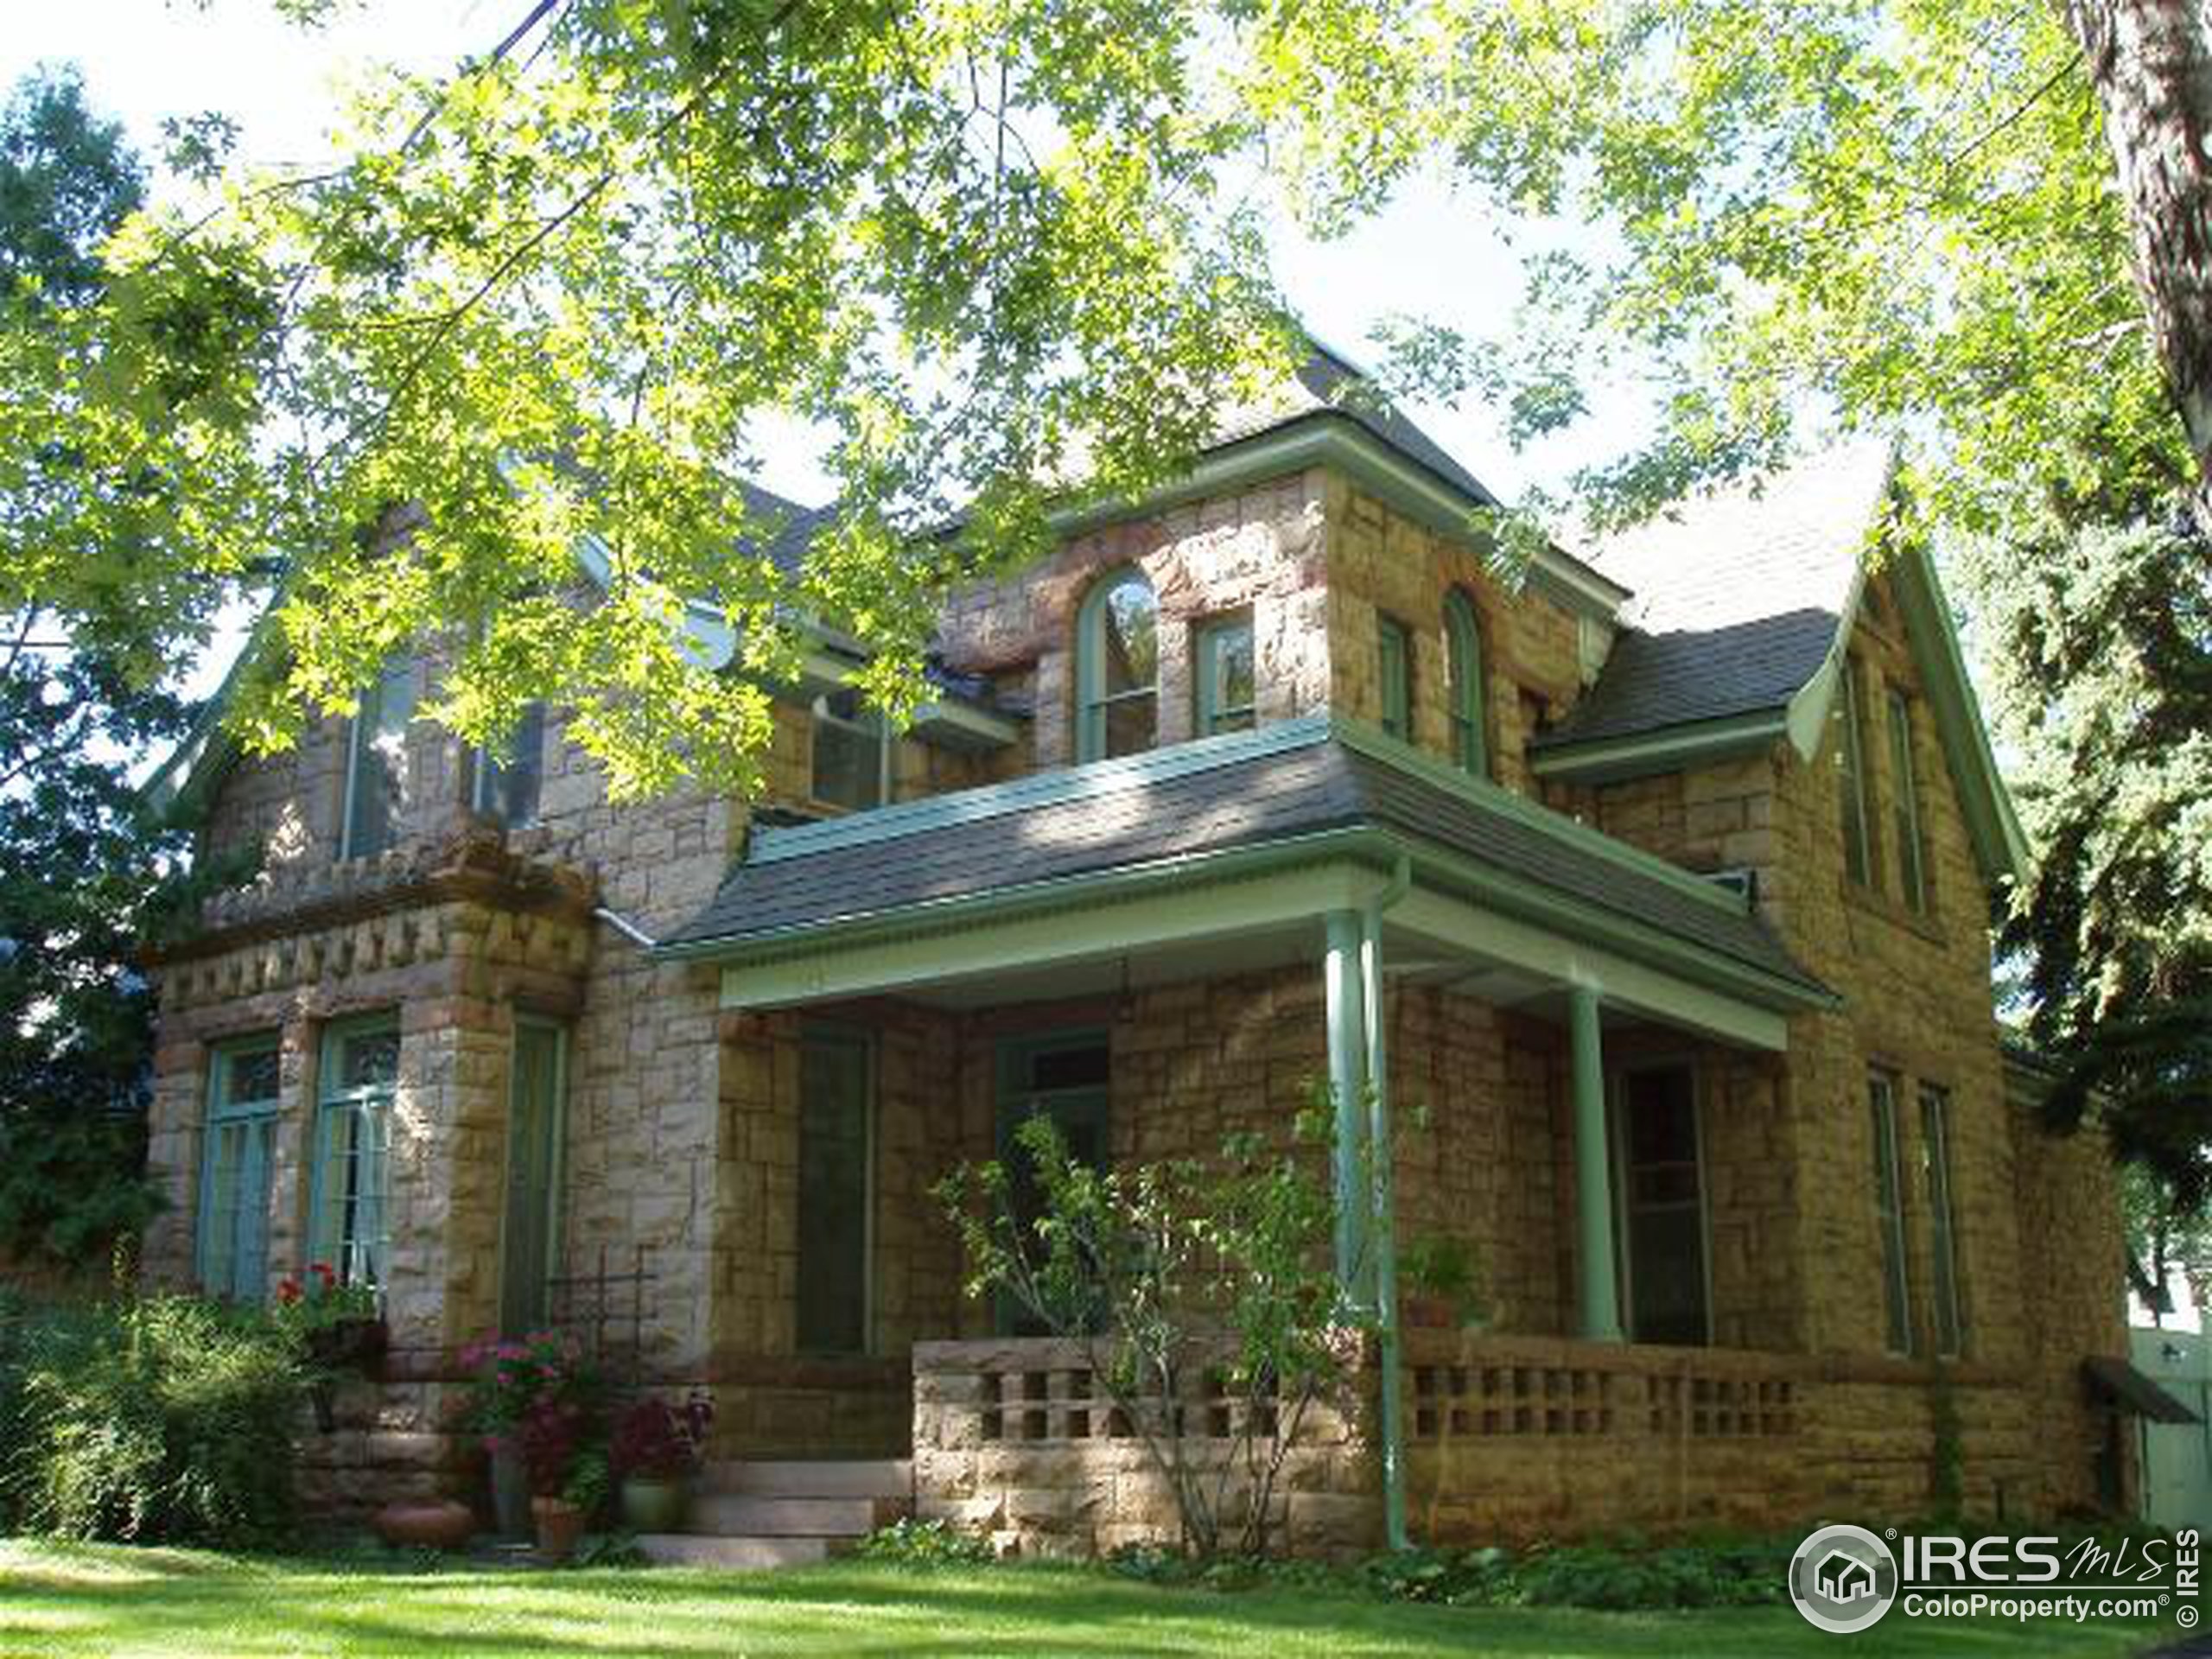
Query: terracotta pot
[(560, 1524), (654, 1503), (438, 1523)]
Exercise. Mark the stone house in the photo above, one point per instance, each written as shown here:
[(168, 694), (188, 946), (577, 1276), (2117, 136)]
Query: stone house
[(1658, 881)]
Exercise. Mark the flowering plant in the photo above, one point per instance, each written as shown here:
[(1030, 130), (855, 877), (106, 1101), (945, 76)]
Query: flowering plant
[(538, 1393), (662, 1441), (315, 1300)]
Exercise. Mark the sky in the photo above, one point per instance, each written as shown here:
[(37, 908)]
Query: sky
[(1427, 255)]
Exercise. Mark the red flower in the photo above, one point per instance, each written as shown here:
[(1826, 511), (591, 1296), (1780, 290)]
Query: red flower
[(322, 1271), (288, 1291)]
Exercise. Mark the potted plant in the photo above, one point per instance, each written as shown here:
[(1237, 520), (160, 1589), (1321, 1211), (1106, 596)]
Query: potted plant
[(562, 1472), (656, 1450), (339, 1328), (512, 1385)]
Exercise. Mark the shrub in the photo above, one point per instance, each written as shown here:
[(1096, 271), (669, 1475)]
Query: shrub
[(167, 1419), (923, 1543), (655, 1441)]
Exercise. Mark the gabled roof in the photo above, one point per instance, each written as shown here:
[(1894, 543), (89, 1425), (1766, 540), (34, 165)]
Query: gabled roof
[(1746, 597), (1153, 814)]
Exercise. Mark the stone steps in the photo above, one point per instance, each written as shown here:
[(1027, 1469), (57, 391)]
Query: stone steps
[(751, 1515), (810, 1477)]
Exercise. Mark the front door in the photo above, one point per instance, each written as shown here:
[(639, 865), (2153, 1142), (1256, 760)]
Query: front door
[(1064, 1077), (1660, 1192), (527, 1235)]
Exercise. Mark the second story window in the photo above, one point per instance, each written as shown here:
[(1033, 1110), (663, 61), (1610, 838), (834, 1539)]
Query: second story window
[(1889, 1212), (1463, 642), (376, 762), (1946, 1308), (508, 787), (1227, 683), (1117, 669), (1394, 677), (1851, 773), (1904, 789), (852, 754)]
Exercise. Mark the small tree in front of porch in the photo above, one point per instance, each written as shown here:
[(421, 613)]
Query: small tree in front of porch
[(1205, 1293)]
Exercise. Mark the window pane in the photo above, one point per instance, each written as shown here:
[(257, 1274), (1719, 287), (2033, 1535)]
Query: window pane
[(833, 1194), (1392, 676), (1889, 1215), (1131, 724), (376, 761), (1944, 1301), (848, 753), (1665, 1201), (1130, 659), (353, 1138), (507, 788), (1911, 878), (1470, 748), (249, 1078), (1850, 775)]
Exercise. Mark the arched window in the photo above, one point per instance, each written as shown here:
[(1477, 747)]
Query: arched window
[(1463, 642), (1117, 668)]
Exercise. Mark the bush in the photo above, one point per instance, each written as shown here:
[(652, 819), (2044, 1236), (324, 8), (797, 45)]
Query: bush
[(167, 1419), (923, 1543)]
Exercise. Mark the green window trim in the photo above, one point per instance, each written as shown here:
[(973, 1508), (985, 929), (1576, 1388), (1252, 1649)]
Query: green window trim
[(350, 1203), (1850, 775), (1393, 675), (230, 1247), (1227, 677), (1912, 870), (1947, 1305), (1463, 642), (1114, 719), (1889, 1212)]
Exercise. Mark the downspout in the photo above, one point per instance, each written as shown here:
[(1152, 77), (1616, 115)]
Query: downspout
[(628, 929), (1384, 1239)]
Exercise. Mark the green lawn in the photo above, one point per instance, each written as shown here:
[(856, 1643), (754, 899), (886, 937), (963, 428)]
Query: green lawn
[(92, 1599)]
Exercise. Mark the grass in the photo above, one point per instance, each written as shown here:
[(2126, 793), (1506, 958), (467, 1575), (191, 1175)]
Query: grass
[(84, 1600)]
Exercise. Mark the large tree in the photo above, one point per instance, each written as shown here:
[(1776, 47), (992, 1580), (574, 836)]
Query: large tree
[(77, 862)]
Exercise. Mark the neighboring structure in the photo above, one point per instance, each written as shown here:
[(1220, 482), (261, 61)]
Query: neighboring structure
[(1660, 880)]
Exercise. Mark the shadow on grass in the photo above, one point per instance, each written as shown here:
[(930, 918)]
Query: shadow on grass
[(91, 1599)]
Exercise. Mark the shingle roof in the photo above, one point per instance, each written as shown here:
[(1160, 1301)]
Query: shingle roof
[(1739, 596), (1283, 782)]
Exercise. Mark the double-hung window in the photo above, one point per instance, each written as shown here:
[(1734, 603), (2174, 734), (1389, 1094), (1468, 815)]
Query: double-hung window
[(1227, 684), (359, 1078), (852, 752), (1463, 642), (1889, 1212), (1117, 668), (508, 784), (376, 762), (1905, 793), (1945, 1307), (1850, 775), (241, 1135), (1393, 656)]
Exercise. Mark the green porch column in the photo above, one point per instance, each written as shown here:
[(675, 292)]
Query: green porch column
[(1593, 1182), (1343, 983)]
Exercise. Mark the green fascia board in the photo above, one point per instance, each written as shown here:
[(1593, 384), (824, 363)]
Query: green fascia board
[(1327, 438), (2000, 845), (1608, 760)]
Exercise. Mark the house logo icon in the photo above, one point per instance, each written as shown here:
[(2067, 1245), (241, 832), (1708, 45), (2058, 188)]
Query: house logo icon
[(1843, 1579)]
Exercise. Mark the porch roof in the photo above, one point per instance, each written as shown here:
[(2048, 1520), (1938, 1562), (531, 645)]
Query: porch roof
[(1317, 787)]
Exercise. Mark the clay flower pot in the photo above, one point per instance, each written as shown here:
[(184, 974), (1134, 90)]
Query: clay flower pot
[(654, 1503), (560, 1524), (437, 1523)]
